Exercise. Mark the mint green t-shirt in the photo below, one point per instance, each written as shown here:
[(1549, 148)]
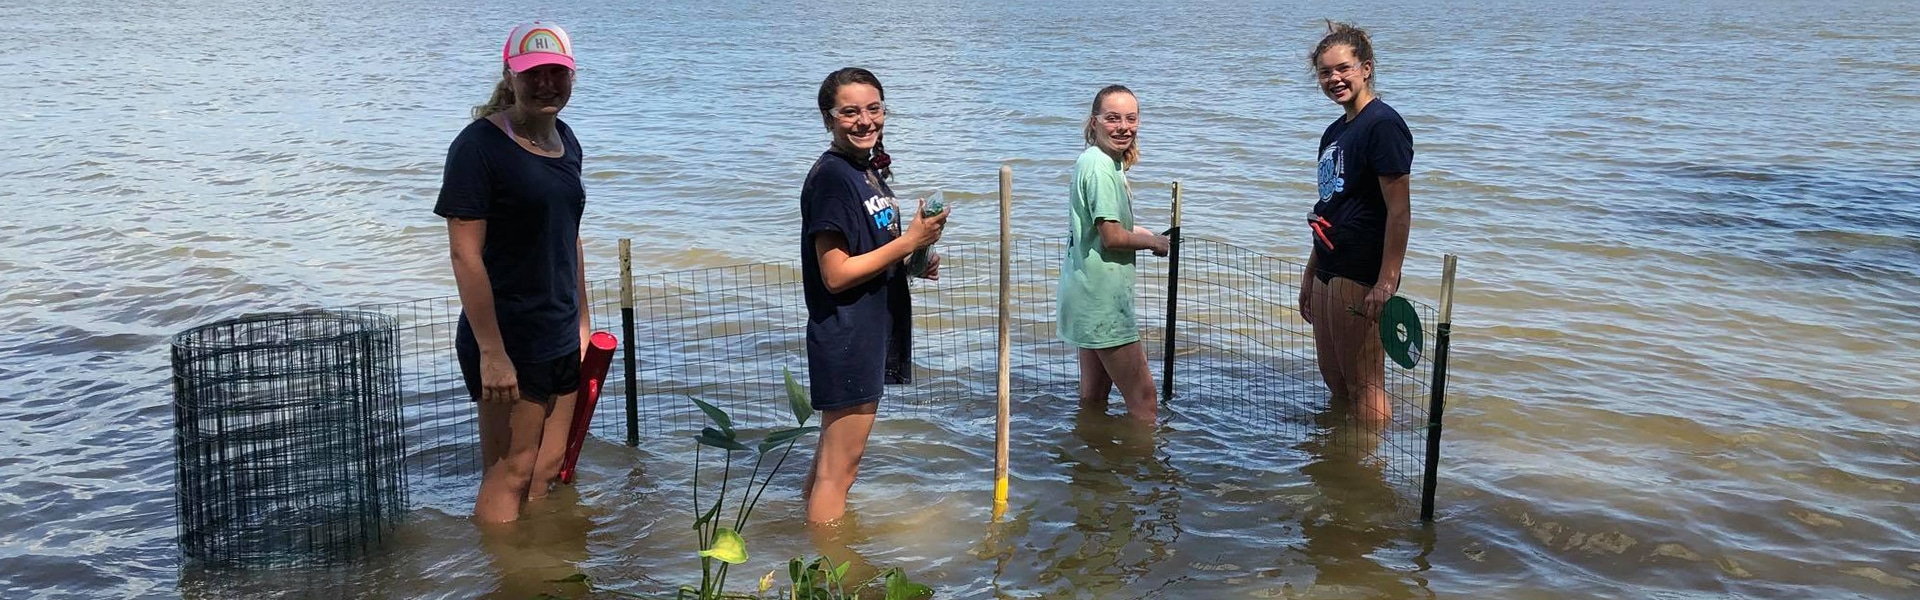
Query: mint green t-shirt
[(1096, 285)]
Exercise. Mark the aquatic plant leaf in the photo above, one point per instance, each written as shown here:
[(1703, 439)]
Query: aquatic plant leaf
[(718, 416), (775, 439), (901, 588), (728, 547), (797, 399), (574, 578), (719, 439), (840, 572), (708, 518)]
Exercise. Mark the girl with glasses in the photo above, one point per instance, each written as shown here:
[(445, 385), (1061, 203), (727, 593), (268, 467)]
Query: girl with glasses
[(854, 275), (1360, 225), (1096, 279)]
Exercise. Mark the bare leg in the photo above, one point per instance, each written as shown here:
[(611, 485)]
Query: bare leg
[(1324, 309), (1356, 341), (504, 482), (1128, 367), (496, 432), (1095, 383), (843, 439), (553, 446)]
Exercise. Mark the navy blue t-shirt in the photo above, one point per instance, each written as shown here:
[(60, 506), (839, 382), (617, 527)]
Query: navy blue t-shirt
[(857, 340), (532, 205), (1353, 156)]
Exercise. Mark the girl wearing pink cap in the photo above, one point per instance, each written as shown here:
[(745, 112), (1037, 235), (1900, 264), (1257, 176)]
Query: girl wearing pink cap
[(512, 197)]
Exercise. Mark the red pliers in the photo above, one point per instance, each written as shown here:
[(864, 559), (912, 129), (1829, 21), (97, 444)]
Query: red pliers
[(1321, 228)]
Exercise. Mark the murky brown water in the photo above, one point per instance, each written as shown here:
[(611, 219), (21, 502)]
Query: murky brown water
[(1684, 346)]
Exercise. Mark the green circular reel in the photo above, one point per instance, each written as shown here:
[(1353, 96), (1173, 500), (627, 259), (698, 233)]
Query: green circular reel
[(1400, 332)]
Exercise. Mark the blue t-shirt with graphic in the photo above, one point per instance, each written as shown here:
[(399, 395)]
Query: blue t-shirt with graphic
[(1353, 156), (857, 340)]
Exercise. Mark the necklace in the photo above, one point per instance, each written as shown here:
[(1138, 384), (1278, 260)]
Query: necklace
[(529, 139)]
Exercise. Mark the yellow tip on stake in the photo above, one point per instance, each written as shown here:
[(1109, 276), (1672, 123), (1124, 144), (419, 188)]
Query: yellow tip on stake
[(999, 497)]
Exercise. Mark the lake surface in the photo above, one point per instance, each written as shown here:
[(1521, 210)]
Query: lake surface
[(1689, 240)]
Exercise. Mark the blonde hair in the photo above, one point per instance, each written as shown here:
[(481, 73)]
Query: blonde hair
[(1132, 155), (502, 98)]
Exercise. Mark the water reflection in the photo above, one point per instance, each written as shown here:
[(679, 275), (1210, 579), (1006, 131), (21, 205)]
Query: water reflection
[(1125, 499), (836, 540), (1355, 518), (548, 543)]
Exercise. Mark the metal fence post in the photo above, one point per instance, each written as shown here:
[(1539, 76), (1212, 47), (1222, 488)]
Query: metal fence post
[(626, 328), (1173, 300), (1437, 405)]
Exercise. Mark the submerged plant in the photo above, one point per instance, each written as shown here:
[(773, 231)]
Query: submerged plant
[(721, 547), (823, 580)]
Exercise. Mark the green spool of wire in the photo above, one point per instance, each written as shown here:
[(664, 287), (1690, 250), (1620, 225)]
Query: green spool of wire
[(1400, 332)]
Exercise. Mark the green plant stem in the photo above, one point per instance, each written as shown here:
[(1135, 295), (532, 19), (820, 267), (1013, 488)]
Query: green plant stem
[(706, 578), (740, 517), (763, 486), (726, 477), (700, 533), (697, 487)]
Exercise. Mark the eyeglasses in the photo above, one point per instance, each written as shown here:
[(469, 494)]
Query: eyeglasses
[(1114, 118), (1339, 70), (875, 112)]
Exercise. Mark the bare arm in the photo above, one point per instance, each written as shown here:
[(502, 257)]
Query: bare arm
[(842, 271), (1396, 190), (586, 302), (1307, 282), (465, 239), (1114, 237), (1399, 220)]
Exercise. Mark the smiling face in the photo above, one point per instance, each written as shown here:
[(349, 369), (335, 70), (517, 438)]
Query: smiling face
[(856, 117), (1115, 122), (1343, 77), (542, 91)]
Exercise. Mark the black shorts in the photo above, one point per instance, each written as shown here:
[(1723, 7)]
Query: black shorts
[(539, 381)]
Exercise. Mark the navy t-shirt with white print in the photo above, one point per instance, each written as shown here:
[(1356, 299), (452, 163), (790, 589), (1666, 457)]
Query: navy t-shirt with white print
[(532, 205), (1353, 156), (857, 340)]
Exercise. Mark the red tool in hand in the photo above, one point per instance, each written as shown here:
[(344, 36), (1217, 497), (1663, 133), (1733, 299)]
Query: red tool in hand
[(593, 373)]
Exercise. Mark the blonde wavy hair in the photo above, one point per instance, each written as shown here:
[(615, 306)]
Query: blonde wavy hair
[(502, 98), (1132, 155)]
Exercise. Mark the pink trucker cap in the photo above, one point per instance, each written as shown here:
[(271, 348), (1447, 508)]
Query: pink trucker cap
[(537, 43)]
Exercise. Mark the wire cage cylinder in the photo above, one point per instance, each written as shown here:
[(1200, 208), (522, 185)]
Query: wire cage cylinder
[(288, 438)]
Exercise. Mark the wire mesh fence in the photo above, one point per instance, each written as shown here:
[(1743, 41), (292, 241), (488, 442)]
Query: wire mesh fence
[(728, 334), (288, 438), (1243, 347)]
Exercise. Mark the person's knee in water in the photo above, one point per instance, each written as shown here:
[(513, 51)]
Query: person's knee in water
[(1096, 289), (855, 281), (512, 196), (1359, 225)]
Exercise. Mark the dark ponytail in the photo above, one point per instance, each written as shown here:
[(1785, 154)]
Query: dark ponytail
[(830, 87)]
